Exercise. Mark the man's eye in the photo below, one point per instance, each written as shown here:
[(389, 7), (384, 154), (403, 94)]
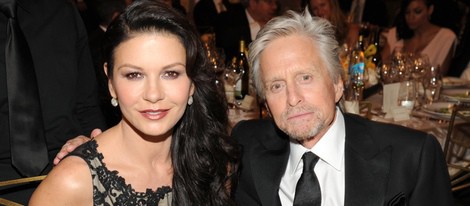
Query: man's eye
[(305, 78), (276, 87)]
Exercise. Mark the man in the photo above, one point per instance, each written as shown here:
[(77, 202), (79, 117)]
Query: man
[(65, 77), (371, 11), (107, 11), (242, 21), (296, 69), (205, 14)]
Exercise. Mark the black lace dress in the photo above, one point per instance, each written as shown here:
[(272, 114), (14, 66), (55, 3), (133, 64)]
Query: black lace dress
[(110, 189)]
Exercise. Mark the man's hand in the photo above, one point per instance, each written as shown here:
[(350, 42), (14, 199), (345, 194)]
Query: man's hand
[(71, 144)]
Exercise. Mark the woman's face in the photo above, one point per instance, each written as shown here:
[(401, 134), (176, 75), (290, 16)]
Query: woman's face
[(150, 82), (321, 8), (417, 14)]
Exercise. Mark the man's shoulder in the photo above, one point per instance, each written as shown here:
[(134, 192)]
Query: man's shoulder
[(253, 127), (384, 134), (259, 130)]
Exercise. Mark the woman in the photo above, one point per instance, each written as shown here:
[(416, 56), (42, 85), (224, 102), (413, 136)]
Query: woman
[(417, 34), (329, 9), (171, 146)]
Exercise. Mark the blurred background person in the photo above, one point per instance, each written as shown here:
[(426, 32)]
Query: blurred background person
[(331, 11), (106, 10), (205, 14), (371, 11), (466, 73), (175, 4), (416, 33), (65, 80), (242, 22)]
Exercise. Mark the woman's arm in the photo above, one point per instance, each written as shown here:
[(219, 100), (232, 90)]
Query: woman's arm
[(69, 183)]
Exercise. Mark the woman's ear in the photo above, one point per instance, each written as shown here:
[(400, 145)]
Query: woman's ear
[(192, 89), (110, 83)]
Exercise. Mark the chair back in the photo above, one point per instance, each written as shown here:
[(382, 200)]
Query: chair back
[(18, 181), (457, 146)]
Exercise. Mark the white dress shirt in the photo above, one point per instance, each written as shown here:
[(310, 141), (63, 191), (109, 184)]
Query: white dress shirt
[(329, 169), (219, 6), (254, 26)]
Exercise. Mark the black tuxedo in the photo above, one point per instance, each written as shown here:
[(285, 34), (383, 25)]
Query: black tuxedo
[(66, 79), (231, 27), (112, 114), (385, 164), (205, 15)]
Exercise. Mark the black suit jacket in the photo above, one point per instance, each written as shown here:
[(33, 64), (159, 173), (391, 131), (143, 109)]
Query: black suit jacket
[(385, 164), (231, 27), (66, 79)]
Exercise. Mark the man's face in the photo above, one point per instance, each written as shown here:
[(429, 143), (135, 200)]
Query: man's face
[(321, 8), (263, 10), (299, 91)]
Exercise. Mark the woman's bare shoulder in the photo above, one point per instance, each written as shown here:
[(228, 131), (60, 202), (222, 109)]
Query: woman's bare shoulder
[(69, 183)]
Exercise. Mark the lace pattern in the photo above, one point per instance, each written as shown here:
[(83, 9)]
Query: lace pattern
[(111, 189)]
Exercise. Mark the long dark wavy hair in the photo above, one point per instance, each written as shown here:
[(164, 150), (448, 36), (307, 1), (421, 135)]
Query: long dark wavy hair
[(204, 157)]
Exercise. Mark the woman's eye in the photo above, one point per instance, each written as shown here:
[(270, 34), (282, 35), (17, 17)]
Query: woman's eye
[(133, 75), (171, 75)]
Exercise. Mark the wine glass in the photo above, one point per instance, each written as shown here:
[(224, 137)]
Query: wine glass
[(400, 65), (419, 64), (231, 75), (432, 84)]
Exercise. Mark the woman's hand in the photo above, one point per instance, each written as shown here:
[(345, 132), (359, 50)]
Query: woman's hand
[(71, 144)]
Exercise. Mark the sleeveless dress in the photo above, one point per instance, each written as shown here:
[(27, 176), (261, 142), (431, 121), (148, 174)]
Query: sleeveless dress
[(111, 189)]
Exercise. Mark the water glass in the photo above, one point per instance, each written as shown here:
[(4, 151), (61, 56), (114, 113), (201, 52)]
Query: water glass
[(407, 94)]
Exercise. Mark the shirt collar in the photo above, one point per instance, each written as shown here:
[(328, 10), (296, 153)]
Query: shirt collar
[(254, 25), (330, 148), (250, 19)]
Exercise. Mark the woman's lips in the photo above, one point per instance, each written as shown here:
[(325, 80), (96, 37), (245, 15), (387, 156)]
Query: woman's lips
[(155, 114)]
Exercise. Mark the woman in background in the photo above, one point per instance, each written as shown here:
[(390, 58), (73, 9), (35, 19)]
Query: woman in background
[(415, 33), (330, 10), (171, 146)]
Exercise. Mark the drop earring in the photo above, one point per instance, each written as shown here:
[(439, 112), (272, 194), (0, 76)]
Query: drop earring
[(114, 102), (190, 100)]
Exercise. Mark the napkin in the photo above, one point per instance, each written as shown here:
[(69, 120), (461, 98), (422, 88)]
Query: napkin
[(351, 106), (229, 93), (248, 103), (390, 98)]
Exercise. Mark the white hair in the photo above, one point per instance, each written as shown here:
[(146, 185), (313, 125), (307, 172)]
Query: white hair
[(319, 30)]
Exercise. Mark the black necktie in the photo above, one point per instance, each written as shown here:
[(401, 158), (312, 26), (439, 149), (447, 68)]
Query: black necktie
[(28, 147), (307, 191)]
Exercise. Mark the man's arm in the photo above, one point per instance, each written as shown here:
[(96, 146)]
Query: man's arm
[(71, 144), (433, 183)]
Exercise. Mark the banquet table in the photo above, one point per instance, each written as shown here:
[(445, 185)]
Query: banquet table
[(419, 120)]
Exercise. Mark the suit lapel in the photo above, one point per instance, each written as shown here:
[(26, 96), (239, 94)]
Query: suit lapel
[(366, 166), (269, 165)]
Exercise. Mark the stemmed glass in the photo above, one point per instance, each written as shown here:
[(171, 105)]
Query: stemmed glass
[(432, 84), (419, 64), (400, 64), (231, 75)]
